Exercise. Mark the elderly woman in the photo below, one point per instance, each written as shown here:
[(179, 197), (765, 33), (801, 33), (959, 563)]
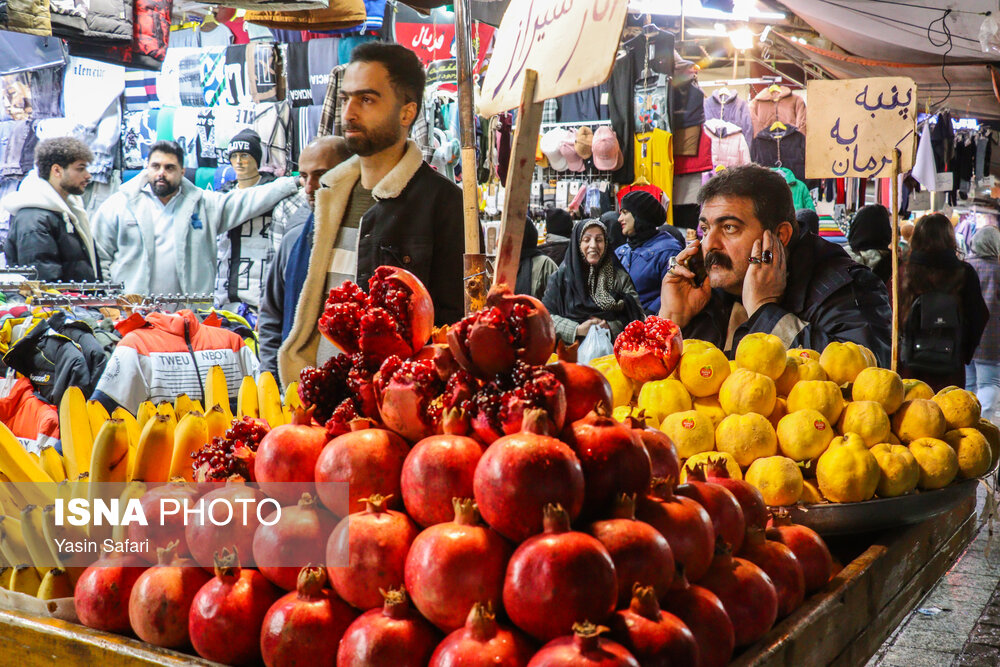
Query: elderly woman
[(591, 288)]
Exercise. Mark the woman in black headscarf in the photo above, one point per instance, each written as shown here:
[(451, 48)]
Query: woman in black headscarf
[(591, 287), (535, 268), (870, 238)]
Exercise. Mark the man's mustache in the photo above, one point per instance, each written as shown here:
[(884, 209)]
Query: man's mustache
[(717, 258)]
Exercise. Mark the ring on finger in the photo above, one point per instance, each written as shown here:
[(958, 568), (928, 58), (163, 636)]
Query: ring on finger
[(672, 262), (754, 260), (767, 257)]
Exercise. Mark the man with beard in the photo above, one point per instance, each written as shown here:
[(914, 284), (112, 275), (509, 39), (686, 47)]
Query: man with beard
[(763, 276), (49, 228), (157, 234), (384, 206)]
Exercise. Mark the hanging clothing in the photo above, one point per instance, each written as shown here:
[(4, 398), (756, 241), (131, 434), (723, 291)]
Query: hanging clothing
[(728, 143), (782, 105), (781, 148), (340, 14), (731, 109), (109, 21), (52, 362), (148, 45), (801, 197), (654, 160), (924, 166), (621, 103), (699, 162), (33, 422)]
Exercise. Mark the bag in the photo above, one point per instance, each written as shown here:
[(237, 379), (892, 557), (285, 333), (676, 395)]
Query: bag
[(932, 335), (597, 343)]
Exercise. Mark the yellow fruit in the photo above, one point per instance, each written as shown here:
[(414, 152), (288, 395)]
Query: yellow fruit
[(779, 480), (660, 398), (144, 412), (961, 408), (712, 457), (892, 439), (937, 460), (992, 435), (870, 357), (867, 419), (710, 407), (780, 410), (622, 412), (695, 344), (762, 353), (75, 431), (973, 450), (798, 370), (804, 434), (269, 400), (842, 362), (847, 439), (182, 405), (823, 396), (155, 450), (703, 370), (747, 437), (848, 473), (216, 389), (880, 385), (190, 435), (919, 418), (899, 470), (804, 353), (747, 391), (810, 493), (98, 414), (109, 461), (913, 389), (621, 387), (691, 432), (246, 401)]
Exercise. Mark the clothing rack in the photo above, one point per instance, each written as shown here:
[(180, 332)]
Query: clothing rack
[(577, 123), (29, 272), (148, 302), (732, 83)]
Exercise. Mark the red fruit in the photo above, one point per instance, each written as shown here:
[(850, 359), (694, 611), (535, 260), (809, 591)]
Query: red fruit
[(452, 566), (750, 499), (324, 388), (163, 528), (102, 592), (483, 643), (232, 454), (498, 407), (297, 539), (520, 474), (288, 453), (228, 612), (663, 459), (613, 461), (559, 578), (412, 396), (370, 460), (305, 624), (649, 349), (442, 358), (512, 327), (390, 636), (439, 469), (396, 317), (746, 592), (367, 552), (684, 523), (205, 538), (161, 598), (586, 388), (656, 638), (703, 614), (585, 648), (722, 506), (781, 565), (640, 553), (339, 422), (809, 548)]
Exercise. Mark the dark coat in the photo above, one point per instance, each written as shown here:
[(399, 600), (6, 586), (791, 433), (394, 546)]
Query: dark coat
[(39, 238), (52, 362), (781, 148)]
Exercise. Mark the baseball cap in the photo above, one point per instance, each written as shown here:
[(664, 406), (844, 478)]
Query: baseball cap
[(551, 143), (607, 153), (584, 142), (568, 149)]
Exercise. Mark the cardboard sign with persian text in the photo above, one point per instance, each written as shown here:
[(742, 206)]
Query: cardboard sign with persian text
[(854, 126), (570, 43)]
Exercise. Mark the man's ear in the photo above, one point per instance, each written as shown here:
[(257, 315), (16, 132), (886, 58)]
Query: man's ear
[(785, 232), (408, 114)]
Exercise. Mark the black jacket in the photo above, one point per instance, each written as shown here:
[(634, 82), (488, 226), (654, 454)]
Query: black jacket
[(829, 297), (52, 362), (39, 238), (781, 148)]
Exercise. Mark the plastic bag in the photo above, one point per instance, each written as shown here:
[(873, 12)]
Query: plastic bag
[(597, 343), (989, 36)]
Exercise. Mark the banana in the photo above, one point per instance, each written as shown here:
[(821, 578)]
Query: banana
[(5, 575), (81, 486), (152, 460), (217, 422), (34, 539), (217, 390), (11, 501), (75, 431), (109, 460), (64, 491), (167, 409), (196, 406), (12, 541), (145, 411), (25, 580), (133, 490), (190, 436), (269, 400), (98, 414), (134, 431), (55, 534), (52, 463), (32, 482), (36, 458), (182, 405), (292, 398), (246, 402), (55, 584)]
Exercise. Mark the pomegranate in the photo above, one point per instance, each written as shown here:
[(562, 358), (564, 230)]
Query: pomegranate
[(498, 407), (559, 578), (663, 459), (325, 388), (722, 506), (102, 592), (746, 592), (640, 553), (483, 643), (412, 396), (440, 355), (391, 636), (586, 388), (649, 349), (781, 565), (232, 454), (340, 421), (613, 461), (656, 638), (163, 528), (512, 327), (520, 474), (809, 548), (586, 648), (305, 624), (297, 538), (750, 499), (370, 460), (439, 469), (161, 597), (684, 523), (451, 566), (288, 453), (205, 538), (367, 552), (395, 317), (706, 618), (228, 612)]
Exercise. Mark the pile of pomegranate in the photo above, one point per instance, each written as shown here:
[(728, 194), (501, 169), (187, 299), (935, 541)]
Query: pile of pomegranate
[(498, 515)]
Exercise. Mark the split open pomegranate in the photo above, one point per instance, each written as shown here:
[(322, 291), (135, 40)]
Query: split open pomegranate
[(649, 349)]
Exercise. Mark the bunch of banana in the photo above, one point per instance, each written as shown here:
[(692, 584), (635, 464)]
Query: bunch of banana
[(190, 435), (269, 404), (217, 392), (76, 432), (33, 483)]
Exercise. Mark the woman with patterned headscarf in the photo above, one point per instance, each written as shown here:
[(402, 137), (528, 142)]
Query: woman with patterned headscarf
[(591, 288)]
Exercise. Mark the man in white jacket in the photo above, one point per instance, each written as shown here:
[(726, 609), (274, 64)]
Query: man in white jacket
[(157, 234)]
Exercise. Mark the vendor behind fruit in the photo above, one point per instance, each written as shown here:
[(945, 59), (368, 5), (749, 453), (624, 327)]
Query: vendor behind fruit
[(763, 276)]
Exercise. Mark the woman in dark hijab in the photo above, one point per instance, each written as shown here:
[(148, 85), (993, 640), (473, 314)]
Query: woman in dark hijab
[(808, 221), (616, 238), (535, 267), (870, 238), (591, 287), (647, 252)]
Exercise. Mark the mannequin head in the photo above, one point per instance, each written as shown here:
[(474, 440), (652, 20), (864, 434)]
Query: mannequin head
[(245, 154)]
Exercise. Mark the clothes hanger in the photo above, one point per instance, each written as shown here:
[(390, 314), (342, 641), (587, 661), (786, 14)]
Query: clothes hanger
[(641, 179), (776, 126), (774, 88), (725, 93)]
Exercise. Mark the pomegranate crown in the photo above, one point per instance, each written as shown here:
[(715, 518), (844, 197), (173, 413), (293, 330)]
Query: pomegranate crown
[(644, 601), (587, 636), (166, 555), (376, 502), (227, 562), (310, 581), (466, 511), (482, 621), (624, 506), (396, 603), (555, 519)]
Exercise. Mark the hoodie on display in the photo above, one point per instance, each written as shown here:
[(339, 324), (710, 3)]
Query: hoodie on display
[(768, 107), (781, 148), (733, 109), (729, 145), (32, 421), (801, 197)]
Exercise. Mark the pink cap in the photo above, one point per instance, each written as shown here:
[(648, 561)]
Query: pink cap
[(568, 150), (607, 152)]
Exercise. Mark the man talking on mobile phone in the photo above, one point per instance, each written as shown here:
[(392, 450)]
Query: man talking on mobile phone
[(764, 276)]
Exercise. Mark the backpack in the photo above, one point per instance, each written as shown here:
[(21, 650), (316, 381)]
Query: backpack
[(932, 335)]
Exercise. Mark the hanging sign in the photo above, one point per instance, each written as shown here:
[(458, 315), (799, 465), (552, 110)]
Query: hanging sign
[(855, 125), (570, 43)]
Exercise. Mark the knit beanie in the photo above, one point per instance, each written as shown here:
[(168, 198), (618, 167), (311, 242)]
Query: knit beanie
[(247, 141), (644, 207)]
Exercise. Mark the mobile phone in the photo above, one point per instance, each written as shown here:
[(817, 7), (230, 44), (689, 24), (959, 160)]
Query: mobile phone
[(696, 264)]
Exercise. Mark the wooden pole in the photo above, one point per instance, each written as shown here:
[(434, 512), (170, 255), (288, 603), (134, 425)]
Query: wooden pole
[(894, 212), (522, 166)]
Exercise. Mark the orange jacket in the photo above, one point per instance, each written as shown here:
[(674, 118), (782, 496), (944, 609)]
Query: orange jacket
[(33, 421)]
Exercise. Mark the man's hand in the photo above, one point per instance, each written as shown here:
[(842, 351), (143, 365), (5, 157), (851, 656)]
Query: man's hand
[(765, 281), (680, 300)]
